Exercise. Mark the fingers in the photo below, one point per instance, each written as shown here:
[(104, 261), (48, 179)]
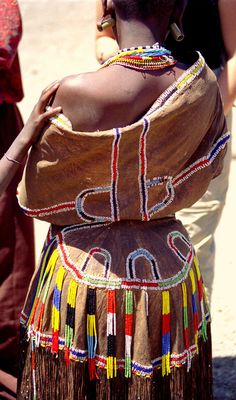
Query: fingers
[(47, 94), (51, 112), (54, 83)]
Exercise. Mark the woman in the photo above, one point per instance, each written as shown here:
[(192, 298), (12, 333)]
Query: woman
[(117, 303)]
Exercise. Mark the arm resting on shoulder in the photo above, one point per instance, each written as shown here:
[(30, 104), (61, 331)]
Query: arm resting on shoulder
[(16, 153)]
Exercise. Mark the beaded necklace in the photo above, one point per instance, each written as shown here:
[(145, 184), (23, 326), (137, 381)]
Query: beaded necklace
[(144, 58)]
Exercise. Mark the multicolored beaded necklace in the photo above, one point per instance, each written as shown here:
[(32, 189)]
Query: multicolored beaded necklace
[(144, 58)]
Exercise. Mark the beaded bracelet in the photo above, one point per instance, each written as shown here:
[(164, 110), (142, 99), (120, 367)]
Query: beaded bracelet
[(12, 159)]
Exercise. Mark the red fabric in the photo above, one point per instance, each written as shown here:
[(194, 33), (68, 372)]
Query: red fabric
[(16, 230), (10, 34), (16, 251)]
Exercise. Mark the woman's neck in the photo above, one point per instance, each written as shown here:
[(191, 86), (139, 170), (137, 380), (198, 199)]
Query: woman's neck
[(136, 33)]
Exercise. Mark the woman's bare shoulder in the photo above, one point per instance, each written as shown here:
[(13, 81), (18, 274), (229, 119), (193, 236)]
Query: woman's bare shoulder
[(93, 100), (84, 99), (72, 95), (108, 97)]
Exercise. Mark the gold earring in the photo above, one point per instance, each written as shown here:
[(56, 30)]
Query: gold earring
[(176, 32), (105, 23)]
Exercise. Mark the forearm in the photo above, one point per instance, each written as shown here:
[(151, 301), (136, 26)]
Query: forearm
[(17, 152), (40, 115)]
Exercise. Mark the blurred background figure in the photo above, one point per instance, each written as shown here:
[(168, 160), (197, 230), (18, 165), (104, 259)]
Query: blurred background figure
[(106, 45), (208, 27), (218, 46), (16, 230)]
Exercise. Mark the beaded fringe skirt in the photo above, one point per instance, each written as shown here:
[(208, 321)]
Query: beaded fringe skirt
[(117, 311)]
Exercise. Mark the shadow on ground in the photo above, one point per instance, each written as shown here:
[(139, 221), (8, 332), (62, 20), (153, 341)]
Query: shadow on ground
[(224, 378)]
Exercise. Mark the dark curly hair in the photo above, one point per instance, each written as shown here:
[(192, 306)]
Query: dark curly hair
[(142, 9)]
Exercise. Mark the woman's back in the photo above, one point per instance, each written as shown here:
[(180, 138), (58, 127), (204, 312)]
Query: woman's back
[(167, 134), (113, 96)]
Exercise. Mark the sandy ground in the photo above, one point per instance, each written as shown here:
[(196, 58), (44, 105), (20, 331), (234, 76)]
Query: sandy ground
[(58, 41)]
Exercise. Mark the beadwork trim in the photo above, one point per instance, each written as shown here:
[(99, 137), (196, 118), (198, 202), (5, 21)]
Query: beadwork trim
[(56, 308), (50, 210), (155, 46), (23, 318), (203, 161), (70, 318), (46, 256), (125, 283), (80, 204), (172, 183), (144, 58), (61, 121), (167, 200), (130, 263), (105, 254), (111, 364), (171, 239), (176, 88), (74, 228), (166, 346), (129, 316), (143, 171), (78, 355), (115, 176)]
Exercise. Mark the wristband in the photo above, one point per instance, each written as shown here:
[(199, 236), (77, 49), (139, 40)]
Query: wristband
[(12, 159)]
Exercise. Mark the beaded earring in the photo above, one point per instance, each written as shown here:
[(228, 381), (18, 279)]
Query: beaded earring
[(105, 23), (176, 32)]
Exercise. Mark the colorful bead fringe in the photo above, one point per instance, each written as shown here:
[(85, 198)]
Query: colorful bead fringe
[(70, 318), (194, 306), (91, 333), (185, 322), (33, 367), (201, 297), (128, 331), (56, 309), (111, 334), (165, 332), (48, 262), (48, 265), (49, 272)]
